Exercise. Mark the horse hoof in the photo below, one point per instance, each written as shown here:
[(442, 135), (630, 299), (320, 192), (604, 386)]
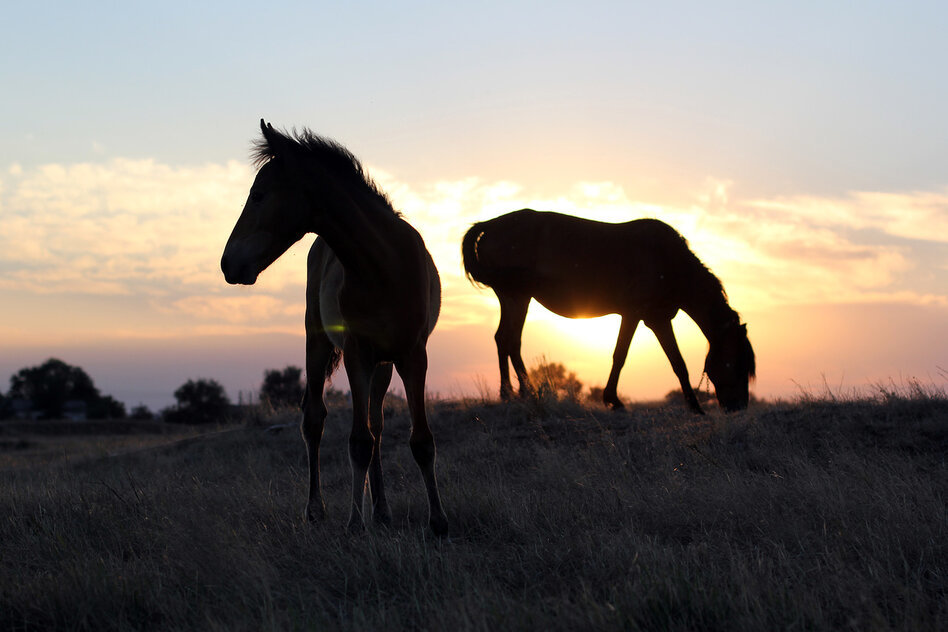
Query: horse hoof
[(314, 513), (439, 525), (383, 519)]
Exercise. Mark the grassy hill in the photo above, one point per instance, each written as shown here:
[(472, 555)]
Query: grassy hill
[(815, 514)]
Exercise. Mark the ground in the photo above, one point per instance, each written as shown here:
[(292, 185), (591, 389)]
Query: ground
[(812, 514)]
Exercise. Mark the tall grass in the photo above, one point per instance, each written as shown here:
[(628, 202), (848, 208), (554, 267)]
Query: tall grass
[(811, 515)]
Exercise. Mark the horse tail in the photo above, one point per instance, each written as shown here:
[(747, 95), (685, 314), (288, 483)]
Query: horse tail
[(334, 357), (476, 271)]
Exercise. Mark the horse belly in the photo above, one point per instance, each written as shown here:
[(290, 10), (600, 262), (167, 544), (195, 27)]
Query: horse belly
[(575, 300)]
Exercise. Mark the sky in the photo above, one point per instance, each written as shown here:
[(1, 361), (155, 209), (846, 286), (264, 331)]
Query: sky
[(800, 147)]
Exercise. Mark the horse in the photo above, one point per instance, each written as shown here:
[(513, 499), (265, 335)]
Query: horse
[(373, 296), (642, 270)]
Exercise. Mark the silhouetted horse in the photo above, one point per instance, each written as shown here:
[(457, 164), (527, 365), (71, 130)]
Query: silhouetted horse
[(372, 291), (642, 270)]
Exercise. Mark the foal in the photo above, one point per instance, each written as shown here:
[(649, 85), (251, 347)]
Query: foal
[(372, 293)]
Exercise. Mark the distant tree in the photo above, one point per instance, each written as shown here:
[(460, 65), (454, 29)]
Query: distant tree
[(335, 397), (141, 413), (106, 407), (282, 388), (199, 401), (5, 407), (553, 378), (50, 385)]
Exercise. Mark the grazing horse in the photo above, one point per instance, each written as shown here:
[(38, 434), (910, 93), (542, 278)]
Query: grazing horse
[(642, 270), (372, 293)]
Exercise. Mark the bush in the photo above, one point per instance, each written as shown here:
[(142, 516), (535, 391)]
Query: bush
[(552, 378), (282, 389)]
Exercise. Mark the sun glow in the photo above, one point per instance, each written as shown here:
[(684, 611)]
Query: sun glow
[(586, 347), (599, 334), (594, 333)]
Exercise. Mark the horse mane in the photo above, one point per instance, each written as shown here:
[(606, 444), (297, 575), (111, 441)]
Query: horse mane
[(711, 284), (705, 280), (329, 154)]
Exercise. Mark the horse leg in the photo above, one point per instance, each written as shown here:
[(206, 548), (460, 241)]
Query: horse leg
[(500, 339), (513, 314), (413, 370), (359, 369), (610, 396), (318, 352), (380, 381), (666, 337)]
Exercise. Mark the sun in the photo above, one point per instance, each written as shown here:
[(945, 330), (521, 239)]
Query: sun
[(596, 337)]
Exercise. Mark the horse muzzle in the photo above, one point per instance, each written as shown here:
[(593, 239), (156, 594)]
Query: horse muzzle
[(237, 274)]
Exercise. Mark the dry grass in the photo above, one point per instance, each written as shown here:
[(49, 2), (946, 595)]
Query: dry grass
[(31, 444), (810, 515)]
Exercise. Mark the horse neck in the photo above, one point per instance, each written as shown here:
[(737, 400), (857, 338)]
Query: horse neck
[(359, 229), (708, 306)]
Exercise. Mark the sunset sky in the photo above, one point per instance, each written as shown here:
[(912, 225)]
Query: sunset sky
[(801, 147)]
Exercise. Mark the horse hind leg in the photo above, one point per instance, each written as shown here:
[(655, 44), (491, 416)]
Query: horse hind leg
[(319, 354), (380, 382), (422, 443), (513, 314), (500, 339), (359, 369)]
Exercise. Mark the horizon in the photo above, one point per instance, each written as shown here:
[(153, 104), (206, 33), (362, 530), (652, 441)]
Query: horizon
[(799, 148)]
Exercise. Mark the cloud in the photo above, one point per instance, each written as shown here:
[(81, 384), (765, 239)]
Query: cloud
[(920, 215), (866, 247), (237, 309), (139, 228)]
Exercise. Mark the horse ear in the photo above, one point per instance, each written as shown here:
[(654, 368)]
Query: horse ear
[(268, 133), (276, 142)]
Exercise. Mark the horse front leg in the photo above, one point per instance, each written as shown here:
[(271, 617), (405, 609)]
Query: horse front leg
[(381, 378), (666, 337), (413, 371), (610, 395), (359, 369), (318, 354)]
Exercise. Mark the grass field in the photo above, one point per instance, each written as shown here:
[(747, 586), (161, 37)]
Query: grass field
[(813, 515)]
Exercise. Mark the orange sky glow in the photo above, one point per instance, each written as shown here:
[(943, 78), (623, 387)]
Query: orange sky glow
[(138, 267)]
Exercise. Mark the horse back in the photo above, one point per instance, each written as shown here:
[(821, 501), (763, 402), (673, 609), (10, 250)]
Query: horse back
[(580, 267)]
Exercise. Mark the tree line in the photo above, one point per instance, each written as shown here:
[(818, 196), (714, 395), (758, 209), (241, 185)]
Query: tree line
[(57, 390)]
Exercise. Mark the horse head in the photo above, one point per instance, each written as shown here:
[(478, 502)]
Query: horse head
[(730, 366), (271, 220)]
